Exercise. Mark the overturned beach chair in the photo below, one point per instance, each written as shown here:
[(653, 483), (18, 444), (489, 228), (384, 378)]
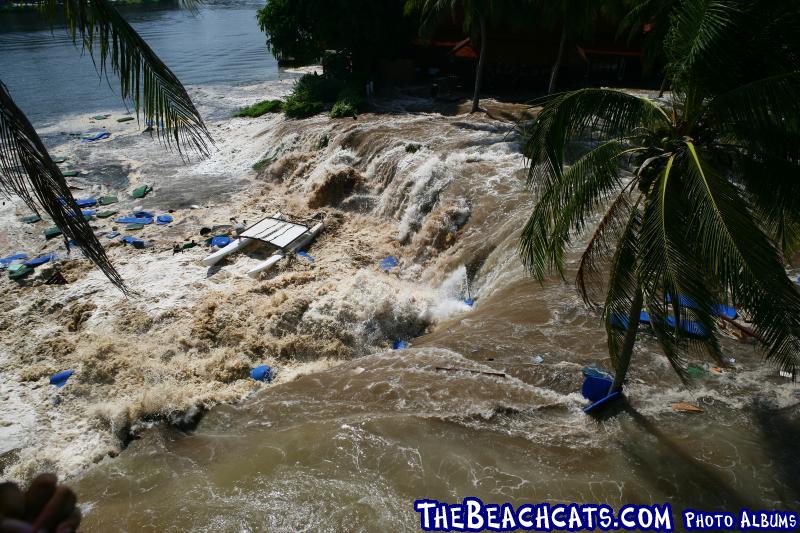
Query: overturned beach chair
[(289, 237)]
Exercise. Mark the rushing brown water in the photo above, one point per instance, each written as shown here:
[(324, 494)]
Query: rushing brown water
[(351, 448)]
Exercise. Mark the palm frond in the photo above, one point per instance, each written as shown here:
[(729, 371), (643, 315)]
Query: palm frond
[(27, 171), (601, 246), (596, 114), (565, 206), (156, 93), (775, 202), (623, 285), (698, 43), (743, 259), (762, 116)]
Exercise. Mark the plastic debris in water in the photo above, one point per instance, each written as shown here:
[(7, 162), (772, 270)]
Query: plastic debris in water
[(143, 214), (162, 220), (469, 301), (39, 260), (389, 263), (141, 191), (305, 256), (11, 258), (538, 359), (96, 136), (60, 379), (683, 407), (399, 345), (262, 373), (136, 243), (220, 241), (112, 234)]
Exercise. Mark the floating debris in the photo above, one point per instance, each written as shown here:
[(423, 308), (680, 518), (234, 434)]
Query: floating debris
[(683, 407), (388, 263), (101, 117), (11, 258), (133, 241), (162, 220), (125, 119), (471, 371), (262, 373), (220, 241), (135, 220), (60, 379), (39, 260), (107, 213), (141, 191), (31, 219), (107, 200), (399, 345), (305, 256), (19, 271), (69, 173), (97, 136), (50, 233)]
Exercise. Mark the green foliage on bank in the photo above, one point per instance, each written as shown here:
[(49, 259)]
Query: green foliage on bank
[(301, 31), (313, 93), (261, 108)]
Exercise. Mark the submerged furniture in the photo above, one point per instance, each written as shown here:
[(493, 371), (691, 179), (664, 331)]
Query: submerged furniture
[(288, 237)]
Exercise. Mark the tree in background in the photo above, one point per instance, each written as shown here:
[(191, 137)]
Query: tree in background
[(701, 196), (302, 30), (576, 19), (26, 168), (476, 13), (654, 15)]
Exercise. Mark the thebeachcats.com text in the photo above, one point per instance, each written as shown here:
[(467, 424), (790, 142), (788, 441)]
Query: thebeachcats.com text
[(474, 515)]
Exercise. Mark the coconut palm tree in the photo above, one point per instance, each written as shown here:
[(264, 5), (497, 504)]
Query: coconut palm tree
[(476, 17), (26, 168), (699, 195)]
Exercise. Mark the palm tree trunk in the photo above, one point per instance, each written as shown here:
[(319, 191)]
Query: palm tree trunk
[(557, 65), (481, 63), (627, 343), (663, 87)]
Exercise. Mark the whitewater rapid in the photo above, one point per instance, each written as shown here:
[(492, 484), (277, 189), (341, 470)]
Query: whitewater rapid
[(485, 402)]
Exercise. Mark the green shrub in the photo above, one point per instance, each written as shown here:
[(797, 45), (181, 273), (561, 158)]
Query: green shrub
[(261, 108), (296, 107), (317, 88), (343, 109)]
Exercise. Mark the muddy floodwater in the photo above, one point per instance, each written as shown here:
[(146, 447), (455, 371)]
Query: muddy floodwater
[(485, 400)]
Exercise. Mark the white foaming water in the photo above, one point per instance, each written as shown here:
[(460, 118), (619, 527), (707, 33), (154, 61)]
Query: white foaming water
[(485, 403)]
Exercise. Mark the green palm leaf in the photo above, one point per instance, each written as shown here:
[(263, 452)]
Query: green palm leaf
[(27, 171), (600, 249), (742, 258), (145, 80), (597, 114)]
